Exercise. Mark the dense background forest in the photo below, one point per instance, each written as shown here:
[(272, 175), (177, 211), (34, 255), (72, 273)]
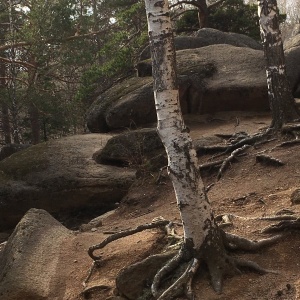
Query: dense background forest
[(55, 56)]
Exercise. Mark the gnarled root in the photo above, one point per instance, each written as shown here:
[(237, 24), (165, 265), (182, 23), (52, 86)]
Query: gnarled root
[(159, 222), (186, 262), (124, 233), (218, 267), (283, 226), (229, 159), (235, 242), (182, 284)]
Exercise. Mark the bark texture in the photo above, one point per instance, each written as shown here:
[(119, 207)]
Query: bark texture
[(5, 124), (281, 100), (199, 228)]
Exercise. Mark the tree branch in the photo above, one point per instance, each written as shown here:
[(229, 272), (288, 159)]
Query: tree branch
[(18, 79), (18, 62), (213, 5), (195, 3), (70, 38)]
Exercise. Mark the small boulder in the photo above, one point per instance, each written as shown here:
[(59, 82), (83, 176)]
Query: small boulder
[(130, 148), (30, 258), (295, 197)]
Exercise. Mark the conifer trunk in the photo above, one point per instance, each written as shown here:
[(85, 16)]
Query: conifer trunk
[(281, 100)]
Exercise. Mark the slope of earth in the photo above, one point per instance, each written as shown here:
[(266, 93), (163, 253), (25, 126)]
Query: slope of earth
[(247, 189)]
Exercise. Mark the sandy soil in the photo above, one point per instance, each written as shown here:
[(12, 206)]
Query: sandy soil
[(247, 189)]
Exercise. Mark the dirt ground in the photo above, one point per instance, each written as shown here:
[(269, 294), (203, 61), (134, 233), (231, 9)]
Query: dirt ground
[(247, 189)]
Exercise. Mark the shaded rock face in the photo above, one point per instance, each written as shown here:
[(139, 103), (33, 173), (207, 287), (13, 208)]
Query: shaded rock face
[(59, 176), (213, 78), (96, 116), (131, 147), (292, 57), (292, 42), (209, 36), (29, 260)]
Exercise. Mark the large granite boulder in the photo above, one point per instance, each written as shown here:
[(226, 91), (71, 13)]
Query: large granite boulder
[(209, 36), (292, 42), (213, 78), (59, 176), (29, 261), (290, 35)]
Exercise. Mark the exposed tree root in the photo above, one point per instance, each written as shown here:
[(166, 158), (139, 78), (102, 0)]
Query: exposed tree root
[(235, 242), (183, 283), (158, 222), (211, 149), (286, 225), (229, 159), (268, 160), (85, 293), (211, 164), (290, 127), (227, 219), (190, 262), (116, 236), (289, 143), (278, 218), (231, 265), (257, 144), (243, 263), (160, 175), (95, 264), (248, 140)]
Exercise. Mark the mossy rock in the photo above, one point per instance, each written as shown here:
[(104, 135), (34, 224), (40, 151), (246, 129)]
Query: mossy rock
[(59, 176), (141, 149), (20, 164), (211, 79)]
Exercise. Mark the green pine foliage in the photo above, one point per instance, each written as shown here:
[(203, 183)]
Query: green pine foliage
[(120, 52), (230, 16)]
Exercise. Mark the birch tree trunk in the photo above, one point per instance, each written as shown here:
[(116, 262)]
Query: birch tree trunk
[(281, 100), (202, 237)]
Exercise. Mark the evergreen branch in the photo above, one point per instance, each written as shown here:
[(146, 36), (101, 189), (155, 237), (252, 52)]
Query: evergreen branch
[(18, 62), (69, 38)]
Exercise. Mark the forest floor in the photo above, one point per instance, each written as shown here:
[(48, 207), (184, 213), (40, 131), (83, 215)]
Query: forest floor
[(247, 189)]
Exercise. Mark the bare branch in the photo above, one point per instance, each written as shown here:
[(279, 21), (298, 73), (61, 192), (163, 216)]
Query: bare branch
[(216, 4), (18, 62)]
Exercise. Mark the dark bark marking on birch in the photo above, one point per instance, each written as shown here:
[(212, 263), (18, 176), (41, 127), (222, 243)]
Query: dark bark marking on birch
[(159, 4)]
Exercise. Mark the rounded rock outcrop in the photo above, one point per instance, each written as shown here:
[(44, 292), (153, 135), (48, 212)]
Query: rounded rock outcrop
[(59, 175)]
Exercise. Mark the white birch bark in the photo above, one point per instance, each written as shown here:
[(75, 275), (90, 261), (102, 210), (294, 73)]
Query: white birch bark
[(183, 167)]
